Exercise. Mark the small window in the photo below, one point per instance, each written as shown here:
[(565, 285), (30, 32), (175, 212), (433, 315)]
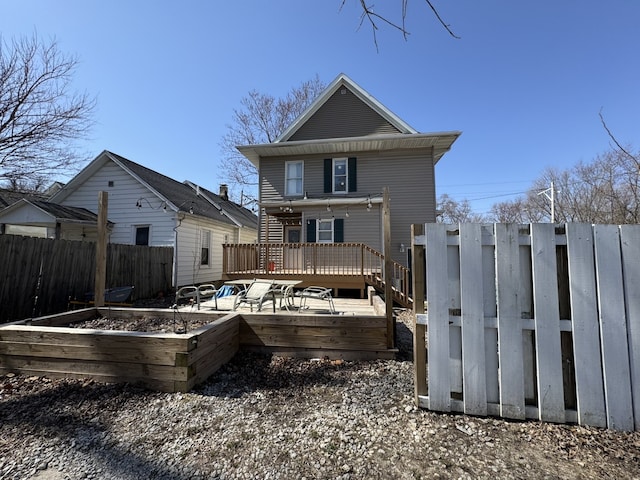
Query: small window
[(206, 247), (293, 178), (142, 235), (110, 183), (325, 231), (340, 177)]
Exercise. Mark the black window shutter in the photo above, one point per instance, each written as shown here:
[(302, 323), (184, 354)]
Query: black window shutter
[(328, 163), (338, 230), (353, 179), (311, 231)]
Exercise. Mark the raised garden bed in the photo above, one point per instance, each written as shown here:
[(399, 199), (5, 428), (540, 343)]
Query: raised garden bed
[(178, 350), (164, 361)]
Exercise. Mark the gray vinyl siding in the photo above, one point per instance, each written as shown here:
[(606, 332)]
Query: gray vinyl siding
[(343, 115), (411, 183)]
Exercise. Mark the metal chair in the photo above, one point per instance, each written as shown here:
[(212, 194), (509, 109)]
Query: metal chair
[(257, 293), (318, 293), (197, 294), (285, 294)]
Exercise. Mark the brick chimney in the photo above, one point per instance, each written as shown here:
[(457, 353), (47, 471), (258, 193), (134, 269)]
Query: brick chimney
[(224, 191)]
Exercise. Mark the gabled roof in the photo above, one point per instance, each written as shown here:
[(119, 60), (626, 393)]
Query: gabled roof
[(179, 196), (343, 81), (46, 213), (9, 197), (406, 138)]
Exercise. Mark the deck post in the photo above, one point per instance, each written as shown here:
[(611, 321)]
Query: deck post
[(388, 268), (101, 250), (420, 330)]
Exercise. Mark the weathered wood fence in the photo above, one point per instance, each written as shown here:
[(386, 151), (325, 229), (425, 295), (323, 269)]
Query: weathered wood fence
[(529, 321), (38, 275)]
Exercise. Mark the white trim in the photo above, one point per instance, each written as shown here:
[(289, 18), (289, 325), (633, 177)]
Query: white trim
[(286, 178), (346, 176), (134, 232), (333, 230)]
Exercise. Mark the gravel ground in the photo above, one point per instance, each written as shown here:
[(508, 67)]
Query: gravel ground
[(269, 417)]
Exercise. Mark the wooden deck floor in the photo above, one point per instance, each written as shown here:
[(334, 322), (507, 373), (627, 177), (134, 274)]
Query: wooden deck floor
[(343, 306)]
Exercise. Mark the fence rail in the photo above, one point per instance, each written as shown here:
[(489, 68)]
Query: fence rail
[(38, 275), (531, 321)]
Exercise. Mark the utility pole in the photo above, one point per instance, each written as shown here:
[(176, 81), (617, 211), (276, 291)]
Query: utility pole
[(550, 194)]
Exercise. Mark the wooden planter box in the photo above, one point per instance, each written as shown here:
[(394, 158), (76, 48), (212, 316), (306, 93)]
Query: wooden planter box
[(167, 362), (177, 362)]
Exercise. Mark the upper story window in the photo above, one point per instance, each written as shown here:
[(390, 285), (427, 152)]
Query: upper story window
[(293, 178), (340, 175)]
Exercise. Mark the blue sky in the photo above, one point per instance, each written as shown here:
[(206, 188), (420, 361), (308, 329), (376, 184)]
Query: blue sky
[(524, 83)]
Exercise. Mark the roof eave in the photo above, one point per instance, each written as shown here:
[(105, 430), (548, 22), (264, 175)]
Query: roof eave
[(440, 141)]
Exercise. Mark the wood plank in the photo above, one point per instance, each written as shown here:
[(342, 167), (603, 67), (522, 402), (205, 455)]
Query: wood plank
[(586, 331), (312, 341), (630, 243), (472, 302), (613, 328), (511, 355), (438, 311), (419, 329), (142, 353), (99, 339), (116, 370), (547, 320), (364, 321)]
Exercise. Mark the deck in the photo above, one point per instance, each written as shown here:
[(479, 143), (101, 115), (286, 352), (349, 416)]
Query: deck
[(353, 266)]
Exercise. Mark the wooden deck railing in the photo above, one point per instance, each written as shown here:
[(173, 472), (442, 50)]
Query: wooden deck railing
[(329, 259)]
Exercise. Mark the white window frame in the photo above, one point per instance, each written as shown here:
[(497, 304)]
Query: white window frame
[(205, 242), (287, 191), (334, 176), (318, 230), (134, 232)]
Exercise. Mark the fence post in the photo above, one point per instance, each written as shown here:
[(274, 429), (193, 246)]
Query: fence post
[(419, 345)]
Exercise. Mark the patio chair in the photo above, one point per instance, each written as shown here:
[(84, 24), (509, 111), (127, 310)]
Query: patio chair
[(257, 293), (318, 293), (197, 294), (285, 295)]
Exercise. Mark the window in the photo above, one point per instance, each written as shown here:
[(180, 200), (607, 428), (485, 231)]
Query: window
[(293, 178), (325, 231), (340, 175), (206, 247), (142, 235)]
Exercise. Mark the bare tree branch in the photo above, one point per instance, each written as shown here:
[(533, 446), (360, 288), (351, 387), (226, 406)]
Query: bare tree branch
[(612, 137), (368, 13), (40, 118)]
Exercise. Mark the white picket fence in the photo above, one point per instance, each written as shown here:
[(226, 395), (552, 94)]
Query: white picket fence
[(535, 321)]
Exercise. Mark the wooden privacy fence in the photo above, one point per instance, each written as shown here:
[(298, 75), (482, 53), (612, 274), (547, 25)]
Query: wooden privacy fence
[(538, 321), (38, 275)]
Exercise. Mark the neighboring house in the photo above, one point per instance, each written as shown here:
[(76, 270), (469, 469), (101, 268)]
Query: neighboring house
[(148, 208), (38, 218), (322, 179)]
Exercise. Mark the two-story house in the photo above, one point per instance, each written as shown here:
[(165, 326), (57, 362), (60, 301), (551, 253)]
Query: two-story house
[(322, 180)]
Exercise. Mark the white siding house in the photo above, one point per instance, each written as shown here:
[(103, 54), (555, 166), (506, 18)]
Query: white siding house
[(148, 208)]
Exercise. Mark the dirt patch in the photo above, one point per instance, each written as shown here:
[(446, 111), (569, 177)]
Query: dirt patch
[(177, 324)]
